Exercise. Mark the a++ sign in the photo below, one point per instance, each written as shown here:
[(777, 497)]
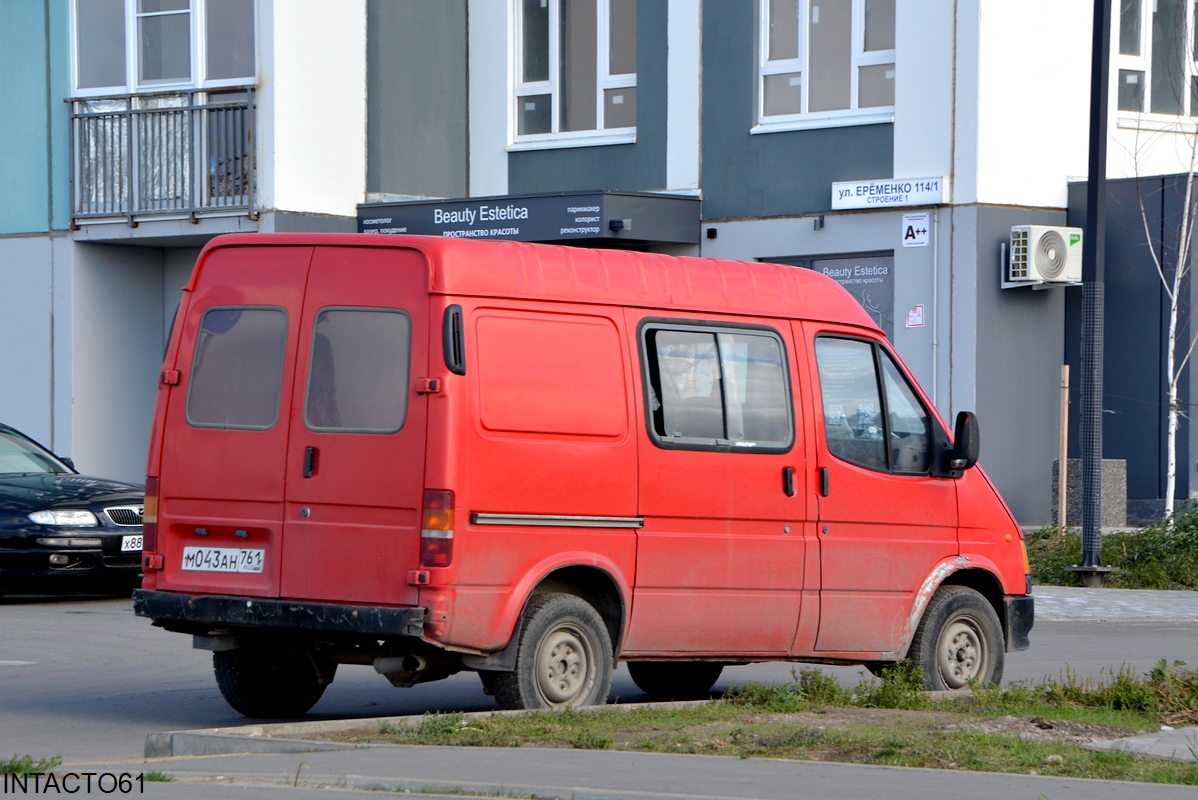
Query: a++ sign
[(915, 317), (915, 230)]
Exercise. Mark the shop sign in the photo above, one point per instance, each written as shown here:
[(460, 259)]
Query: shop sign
[(540, 218)]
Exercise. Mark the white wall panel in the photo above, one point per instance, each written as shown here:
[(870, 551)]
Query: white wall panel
[(176, 273), (313, 105), (62, 434), (1033, 99), (490, 75), (682, 105), (25, 335), (118, 325), (923, 102)]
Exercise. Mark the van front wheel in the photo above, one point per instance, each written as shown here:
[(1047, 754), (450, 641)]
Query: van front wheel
[(958, 640), (564, 657), (271, 683)]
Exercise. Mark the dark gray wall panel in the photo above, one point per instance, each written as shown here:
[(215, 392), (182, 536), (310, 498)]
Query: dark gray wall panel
[(1020, 350), (1135, 417), (775, 174), (639, 167), (416, 97)]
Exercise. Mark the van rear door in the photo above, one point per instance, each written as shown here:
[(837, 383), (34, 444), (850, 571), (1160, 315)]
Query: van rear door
[(355, 460), (224, 439)]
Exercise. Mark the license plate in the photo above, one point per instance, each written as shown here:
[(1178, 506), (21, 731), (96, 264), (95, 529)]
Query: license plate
[(131, 544), (223, 559)]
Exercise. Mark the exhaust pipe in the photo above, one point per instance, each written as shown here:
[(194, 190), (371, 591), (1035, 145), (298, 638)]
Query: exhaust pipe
[(402, 671)]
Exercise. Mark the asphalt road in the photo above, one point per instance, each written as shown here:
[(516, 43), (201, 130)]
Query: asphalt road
[(87, 680)]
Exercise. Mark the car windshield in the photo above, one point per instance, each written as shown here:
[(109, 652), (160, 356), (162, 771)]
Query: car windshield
[(20, 456)]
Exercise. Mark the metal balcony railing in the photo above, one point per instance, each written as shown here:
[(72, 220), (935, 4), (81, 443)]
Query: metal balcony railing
[(178, 155)]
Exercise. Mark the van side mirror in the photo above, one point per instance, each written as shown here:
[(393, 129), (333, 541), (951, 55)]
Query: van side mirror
[(966, 441)]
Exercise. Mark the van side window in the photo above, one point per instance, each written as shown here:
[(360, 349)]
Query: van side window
[(877, 424), (237, 371), (717, 388), (358, 371), (848, 381), (908, 422)]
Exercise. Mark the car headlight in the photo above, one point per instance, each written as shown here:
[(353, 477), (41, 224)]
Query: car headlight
[(74, 517)]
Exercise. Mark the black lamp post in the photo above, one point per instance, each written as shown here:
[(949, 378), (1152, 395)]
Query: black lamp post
[(1091, 571)]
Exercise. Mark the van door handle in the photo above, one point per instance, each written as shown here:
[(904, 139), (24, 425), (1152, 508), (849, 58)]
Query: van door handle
[(823, 482), (309, 462), (788, 481)]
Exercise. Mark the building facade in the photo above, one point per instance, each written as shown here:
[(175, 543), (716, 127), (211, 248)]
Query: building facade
[(889, 143)]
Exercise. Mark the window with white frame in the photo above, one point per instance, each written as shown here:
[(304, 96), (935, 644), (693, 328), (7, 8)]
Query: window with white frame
[(575, 70), (1157, 57), (147, 45), (825, 62)]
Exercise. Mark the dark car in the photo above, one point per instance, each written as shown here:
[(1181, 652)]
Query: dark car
[(62, 532)]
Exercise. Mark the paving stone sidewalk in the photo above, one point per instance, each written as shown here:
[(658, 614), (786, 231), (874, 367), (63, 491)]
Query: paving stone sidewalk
[(1072, 603)]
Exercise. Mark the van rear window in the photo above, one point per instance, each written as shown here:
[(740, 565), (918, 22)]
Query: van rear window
[(718, 388), (237, 371), (358, 370)]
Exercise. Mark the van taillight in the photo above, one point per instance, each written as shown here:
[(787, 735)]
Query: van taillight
[(436, 534), (149, 517)]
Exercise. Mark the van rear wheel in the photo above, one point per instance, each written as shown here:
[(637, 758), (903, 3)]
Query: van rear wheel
[(675, 680), (271, 683), (563, 659), (959, 640)]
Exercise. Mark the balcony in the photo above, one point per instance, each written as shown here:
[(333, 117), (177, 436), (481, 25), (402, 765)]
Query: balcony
[(177, 155)]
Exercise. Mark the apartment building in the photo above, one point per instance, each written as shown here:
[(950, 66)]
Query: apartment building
[(889, 143)]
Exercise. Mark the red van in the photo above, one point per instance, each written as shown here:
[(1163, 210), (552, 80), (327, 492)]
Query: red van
[(433, 455)]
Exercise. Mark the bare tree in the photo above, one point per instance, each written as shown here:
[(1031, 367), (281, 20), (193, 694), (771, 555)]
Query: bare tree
[(1174, 277)]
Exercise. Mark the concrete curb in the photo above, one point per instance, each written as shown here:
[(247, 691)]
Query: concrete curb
[(169, 744), (446, 787), (288, 737)]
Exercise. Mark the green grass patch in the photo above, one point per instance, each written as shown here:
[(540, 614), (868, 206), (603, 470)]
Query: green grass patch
[(157, 776), (25, 765), (1161, 556), (885, 720)]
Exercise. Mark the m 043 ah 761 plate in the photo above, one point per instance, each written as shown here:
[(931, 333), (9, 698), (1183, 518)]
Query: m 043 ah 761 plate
[(223, 559)]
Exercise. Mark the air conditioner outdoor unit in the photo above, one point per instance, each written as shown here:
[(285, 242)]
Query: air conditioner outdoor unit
[(1042, 254)]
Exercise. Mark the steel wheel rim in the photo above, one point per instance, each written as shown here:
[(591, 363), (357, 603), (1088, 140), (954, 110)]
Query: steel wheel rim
[(564, 666), (961, 654)]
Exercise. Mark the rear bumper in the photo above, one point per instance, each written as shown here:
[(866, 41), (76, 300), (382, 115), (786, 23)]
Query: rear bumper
[(188, 610), (1020, 613)]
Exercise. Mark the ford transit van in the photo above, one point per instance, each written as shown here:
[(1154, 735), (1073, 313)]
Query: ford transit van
[(433, 455)]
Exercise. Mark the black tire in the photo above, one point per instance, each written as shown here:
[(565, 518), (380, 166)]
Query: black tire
[(675, 680), (959, 640), (563, 659), (271, 683)]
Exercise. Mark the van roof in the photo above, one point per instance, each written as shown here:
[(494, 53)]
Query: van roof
[(471, 267)]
